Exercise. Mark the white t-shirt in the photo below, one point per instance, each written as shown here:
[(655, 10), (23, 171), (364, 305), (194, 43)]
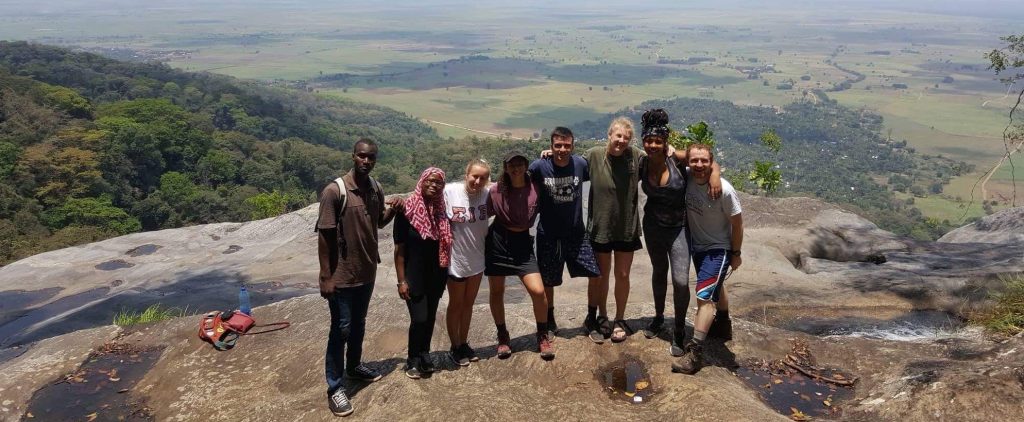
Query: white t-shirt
[(469, 229), (710, 227)]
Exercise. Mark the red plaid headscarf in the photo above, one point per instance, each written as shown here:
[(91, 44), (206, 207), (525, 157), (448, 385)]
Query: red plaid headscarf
[(430, 218)]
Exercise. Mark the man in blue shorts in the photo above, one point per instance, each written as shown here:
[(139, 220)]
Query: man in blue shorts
[(716, 236), (561, 235)]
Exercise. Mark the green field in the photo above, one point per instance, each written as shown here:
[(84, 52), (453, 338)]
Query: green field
[(556, 64)]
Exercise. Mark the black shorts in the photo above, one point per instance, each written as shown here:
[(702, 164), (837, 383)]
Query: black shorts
[(617, 246), (554, 254), (509, 253)]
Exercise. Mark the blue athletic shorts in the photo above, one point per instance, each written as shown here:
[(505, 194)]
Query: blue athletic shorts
[(711, 267)]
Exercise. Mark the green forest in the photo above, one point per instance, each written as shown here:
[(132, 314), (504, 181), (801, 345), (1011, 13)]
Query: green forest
[(828, 151), (92, 148)]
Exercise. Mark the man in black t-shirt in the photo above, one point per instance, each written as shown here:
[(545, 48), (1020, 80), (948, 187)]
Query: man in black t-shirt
[(561, 235)]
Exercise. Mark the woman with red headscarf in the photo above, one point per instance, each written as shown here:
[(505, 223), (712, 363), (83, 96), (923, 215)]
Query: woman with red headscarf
[(423, 240)]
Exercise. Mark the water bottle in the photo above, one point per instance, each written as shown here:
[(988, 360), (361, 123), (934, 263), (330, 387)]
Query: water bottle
[(243, 301)]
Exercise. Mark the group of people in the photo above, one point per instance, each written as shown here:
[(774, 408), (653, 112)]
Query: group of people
[(449, 235)]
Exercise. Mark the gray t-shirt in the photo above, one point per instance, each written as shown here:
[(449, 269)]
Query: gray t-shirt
[(709, 223)]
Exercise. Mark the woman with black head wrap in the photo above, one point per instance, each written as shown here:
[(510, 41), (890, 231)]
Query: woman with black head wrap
[(663, 180)]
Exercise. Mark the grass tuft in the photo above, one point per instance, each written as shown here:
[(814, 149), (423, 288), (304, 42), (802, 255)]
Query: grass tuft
[(153, 313), (1007, 315)]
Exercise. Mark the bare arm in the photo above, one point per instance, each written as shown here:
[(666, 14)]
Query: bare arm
[(737, 239), (396, 204), (327, 250), (715, 181), (403, 287)]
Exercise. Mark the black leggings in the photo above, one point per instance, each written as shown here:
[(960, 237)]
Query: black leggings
[(422, 313)]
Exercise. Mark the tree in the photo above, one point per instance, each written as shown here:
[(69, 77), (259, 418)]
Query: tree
[(1010, 59)]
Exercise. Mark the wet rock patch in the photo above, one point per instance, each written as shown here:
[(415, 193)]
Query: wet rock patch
[(232, 249), (100, 389), (796, 387), (115, 264), (143, 250)]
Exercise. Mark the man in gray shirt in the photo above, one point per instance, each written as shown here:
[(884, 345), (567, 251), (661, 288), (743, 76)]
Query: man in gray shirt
[(716, 236)]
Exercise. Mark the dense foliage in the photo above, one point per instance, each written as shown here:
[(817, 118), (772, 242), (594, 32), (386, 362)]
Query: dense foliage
[(91, 147), (831, 152)]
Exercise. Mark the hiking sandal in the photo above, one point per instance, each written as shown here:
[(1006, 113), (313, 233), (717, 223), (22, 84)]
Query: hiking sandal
[(621, 331)]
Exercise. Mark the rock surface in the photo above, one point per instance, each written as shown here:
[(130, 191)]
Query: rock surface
[(801, 257), (1004, 227)]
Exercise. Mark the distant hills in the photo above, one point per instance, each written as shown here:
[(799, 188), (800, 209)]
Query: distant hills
[(92, 147)]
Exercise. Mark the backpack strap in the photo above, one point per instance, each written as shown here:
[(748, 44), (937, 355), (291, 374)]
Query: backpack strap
[(343, 191)]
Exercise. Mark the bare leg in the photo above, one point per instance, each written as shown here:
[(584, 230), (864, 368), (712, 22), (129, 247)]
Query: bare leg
[(623, 262), (535, 287), (453, 316), (723, 300), (597, 289), (705, 316), (496, 285), (468, 298)]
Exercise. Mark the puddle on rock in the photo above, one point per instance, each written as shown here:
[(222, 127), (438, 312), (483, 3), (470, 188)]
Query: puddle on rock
[(796, 387), (115, 264), (911, 326), (793, 393), (13, 303), (627, 379), (875, 322), (146, 249), (100, 389)]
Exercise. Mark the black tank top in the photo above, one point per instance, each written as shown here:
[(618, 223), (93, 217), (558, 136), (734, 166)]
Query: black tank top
[(666, 205)]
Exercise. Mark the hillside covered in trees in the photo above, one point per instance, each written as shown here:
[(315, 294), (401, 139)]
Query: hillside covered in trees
[(92, 148), (829, 151)]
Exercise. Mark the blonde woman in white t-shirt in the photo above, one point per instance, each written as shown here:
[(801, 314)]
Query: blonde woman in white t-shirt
[(467, 209)]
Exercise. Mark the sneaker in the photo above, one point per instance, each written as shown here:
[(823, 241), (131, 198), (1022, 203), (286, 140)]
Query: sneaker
[(721, 328), (654, 328), (544, 346), (504, 351), (469, 353), (364, 373), (593, 328), (413, 372), (458, 356), (691, 362), (339, 404), (675, 348), (427, 367)]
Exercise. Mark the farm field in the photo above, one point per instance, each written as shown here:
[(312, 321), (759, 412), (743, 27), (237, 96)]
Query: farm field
[(519, 70)]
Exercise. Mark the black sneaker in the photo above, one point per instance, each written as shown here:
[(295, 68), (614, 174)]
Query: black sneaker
[(721, 328), (469, 353), (339, 404), (654, 328), (593, 328), (364, 373), (676, 347), (413, 372), (691, 362), (427, 367), (457, 356)]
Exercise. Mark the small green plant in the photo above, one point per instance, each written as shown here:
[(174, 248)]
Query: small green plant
[(765, 176), (697, 133), (1007, 316), (153, 313)]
